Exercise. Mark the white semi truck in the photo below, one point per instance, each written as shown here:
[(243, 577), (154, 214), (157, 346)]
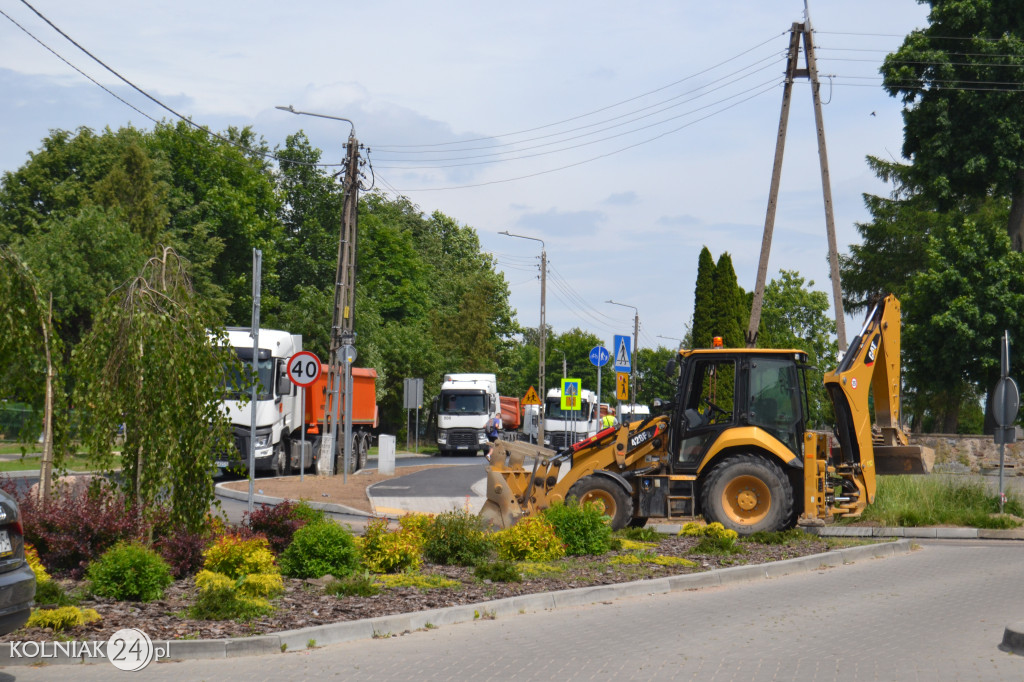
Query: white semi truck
[(562, 428), (278, 410), (464, 408)]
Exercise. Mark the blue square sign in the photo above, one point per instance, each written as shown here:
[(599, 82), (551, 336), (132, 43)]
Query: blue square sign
[(622, 354)]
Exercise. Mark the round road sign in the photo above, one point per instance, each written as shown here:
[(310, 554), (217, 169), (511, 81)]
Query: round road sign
[(303, 368), (599, 355), (1006, 402)]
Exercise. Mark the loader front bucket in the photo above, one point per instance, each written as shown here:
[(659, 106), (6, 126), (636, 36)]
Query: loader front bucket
[(501, 510), (903, 459)]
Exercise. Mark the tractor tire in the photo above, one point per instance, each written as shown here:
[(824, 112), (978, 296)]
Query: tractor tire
[(748, 494), (616, 501)]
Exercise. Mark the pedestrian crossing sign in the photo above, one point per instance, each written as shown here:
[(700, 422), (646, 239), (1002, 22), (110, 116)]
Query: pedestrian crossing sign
[(570, 394), (531, 397), (623, 354)]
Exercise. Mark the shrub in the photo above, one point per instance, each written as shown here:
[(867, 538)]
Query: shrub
[(50, 593), (499, 572), (61, 619), (32, 558), (129, 572), (183, 549), (456, 538), (223, 602), (302, 511), (418, 580), (69, 531), (416, 525), (387, 552), (277, 523), (358, 585), (319, 549), (714, 538), (583, 528), (531, 539), (236, 557), (645, 534), (252, 585)]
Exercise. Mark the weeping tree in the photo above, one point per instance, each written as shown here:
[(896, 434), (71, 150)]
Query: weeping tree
[(150, 366), (29, 346)]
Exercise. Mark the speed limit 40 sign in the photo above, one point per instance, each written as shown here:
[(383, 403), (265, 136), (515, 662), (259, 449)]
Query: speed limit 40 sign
[(303, 368)]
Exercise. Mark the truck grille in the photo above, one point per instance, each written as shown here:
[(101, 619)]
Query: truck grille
[(458, 437), (563, 439)]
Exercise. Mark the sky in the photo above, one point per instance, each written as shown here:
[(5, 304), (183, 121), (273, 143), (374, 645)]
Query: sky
[(626, 137)]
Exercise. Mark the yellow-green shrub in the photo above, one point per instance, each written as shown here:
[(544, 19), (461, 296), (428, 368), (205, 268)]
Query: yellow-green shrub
[(252, 585), (416, 525), (417, 580), (531, 539), (236, 557), (32, 557), (390, 552), (63, 618), (714, 530)]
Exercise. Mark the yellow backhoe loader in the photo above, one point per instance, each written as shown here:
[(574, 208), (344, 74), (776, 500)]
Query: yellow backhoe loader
[(733, 444)]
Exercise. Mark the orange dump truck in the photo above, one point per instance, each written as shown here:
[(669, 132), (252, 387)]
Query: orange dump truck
[(511, 413), (364, 416)]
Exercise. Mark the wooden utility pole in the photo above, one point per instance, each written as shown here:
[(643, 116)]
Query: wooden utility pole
[(799, 31), (342, 334)]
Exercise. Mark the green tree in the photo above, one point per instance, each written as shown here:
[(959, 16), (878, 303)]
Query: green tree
[(956, 310), (959, 80), (703, 328), (652, 381), (794, 316), (149, 364), (728, 313)]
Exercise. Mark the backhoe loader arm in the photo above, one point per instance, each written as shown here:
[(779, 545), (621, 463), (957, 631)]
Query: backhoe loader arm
[(872, 363)]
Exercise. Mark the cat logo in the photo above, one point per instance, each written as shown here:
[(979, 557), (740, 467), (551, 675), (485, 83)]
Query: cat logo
[(869, 359)]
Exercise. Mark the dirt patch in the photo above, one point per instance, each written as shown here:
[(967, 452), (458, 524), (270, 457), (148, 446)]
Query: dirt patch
[(329, 489)]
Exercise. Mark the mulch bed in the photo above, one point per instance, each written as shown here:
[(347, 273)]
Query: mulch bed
[(305, 603)]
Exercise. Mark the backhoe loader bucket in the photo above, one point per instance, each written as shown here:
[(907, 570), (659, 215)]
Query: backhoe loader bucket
[(903, 459)]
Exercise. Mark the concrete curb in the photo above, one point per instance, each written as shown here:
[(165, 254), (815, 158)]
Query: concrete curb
[(222, 490), (387, 626)]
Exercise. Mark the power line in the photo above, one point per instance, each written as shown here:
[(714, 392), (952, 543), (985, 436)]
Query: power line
[(595, 111), (591, 159), (705, 88), (575, 137)]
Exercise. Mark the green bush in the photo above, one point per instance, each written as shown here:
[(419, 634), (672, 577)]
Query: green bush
[(583, 528), (645, 534), (319, 549), (531, 539), (358, 585), (129, 572), (236, 557), (62, 619), (498, 572), (303, 512), (224, 602), (390, 552), (777, 537), (456, 538)]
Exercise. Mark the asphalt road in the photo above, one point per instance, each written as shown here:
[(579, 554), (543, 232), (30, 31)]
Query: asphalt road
[(935, 614)]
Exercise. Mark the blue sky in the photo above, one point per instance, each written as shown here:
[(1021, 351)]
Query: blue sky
[(625, 136)]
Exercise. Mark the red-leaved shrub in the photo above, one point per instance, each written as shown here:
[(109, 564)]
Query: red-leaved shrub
[(277, 523)]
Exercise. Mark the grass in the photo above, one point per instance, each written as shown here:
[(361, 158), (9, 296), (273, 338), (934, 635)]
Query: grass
[(939, 501), (75, 463)]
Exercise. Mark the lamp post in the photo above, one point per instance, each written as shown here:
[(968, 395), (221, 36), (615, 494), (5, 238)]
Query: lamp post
[(636, 334), (671, 338), (543, 327), (564, 363)]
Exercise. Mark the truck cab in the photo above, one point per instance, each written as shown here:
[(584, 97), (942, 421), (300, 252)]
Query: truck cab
[(278, 412), (464, 408), (563, 428)]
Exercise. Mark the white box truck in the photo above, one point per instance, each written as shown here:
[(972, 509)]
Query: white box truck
[(562, 428), (464, 408)]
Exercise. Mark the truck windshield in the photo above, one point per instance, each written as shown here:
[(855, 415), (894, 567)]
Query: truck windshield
[(463, 403), (238, 384), (553, 410)]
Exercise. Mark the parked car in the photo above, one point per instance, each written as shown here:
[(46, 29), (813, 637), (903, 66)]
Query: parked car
[(17, 581)]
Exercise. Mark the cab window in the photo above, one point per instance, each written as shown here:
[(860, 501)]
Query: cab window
[(775, 399)]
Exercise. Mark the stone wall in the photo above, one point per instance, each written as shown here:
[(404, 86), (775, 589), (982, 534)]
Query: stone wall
[(977, 454)]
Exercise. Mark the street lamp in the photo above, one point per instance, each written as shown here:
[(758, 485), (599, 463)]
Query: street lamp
[(636, 334), (671, 338), (543, 326), (564, 363)]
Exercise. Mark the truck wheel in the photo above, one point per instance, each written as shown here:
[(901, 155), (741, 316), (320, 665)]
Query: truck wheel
[(617, 503), (362, 451), (748, 494), (280, 461)]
